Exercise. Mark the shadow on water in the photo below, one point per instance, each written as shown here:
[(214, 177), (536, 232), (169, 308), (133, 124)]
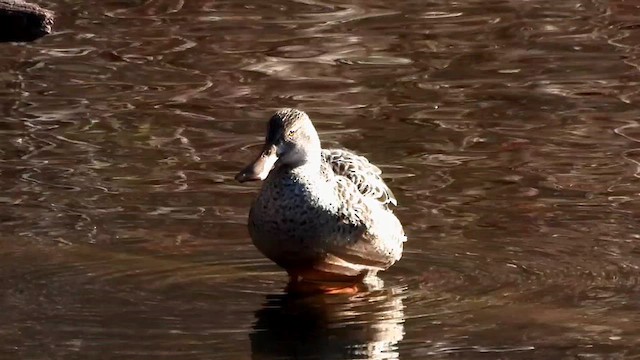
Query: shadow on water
[(363, 326)]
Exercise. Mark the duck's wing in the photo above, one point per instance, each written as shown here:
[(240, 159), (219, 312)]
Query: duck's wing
[(363, 174), (366, 239)]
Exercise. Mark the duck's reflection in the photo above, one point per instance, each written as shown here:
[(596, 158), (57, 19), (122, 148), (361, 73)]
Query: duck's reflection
[(362, 326)]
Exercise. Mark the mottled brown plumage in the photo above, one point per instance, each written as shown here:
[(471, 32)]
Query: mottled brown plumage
[(321, 214)]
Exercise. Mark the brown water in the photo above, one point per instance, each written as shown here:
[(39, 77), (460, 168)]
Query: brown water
[(508, 130)]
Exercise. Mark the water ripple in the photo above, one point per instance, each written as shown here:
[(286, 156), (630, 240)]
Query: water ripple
[(508, 131)]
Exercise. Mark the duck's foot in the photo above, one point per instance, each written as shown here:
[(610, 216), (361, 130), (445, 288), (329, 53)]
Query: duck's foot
[(312, 281), (311, 287), (349, 290)]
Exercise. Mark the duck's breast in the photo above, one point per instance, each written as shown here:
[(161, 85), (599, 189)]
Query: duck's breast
[(292, 217)]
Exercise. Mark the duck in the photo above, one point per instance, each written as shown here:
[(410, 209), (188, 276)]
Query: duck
[(323, 215)]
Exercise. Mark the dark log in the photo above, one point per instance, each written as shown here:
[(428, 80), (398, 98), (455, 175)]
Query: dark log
[(21, 21)]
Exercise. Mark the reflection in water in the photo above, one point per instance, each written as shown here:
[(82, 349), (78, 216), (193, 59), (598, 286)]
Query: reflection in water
[(364, 326)]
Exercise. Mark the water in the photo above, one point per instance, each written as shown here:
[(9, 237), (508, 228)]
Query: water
[(508, 131)]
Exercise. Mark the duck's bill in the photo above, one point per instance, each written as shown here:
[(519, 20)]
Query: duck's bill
[(260, 168)]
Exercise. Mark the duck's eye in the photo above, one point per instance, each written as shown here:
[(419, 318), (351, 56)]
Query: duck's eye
[(291, 132)]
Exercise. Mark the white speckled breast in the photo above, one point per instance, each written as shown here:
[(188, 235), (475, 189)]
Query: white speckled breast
[(309, 217)]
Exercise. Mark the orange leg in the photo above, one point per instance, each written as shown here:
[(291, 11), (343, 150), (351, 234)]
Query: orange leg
[(348, 290), (317, 282)]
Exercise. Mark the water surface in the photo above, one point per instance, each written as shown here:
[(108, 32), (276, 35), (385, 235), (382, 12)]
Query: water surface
[(507, 129)]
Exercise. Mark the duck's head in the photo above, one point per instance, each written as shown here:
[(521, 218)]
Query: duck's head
[(291, 141)]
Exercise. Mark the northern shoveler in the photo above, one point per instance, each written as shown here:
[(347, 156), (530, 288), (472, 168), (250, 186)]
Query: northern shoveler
[(322, 214)]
